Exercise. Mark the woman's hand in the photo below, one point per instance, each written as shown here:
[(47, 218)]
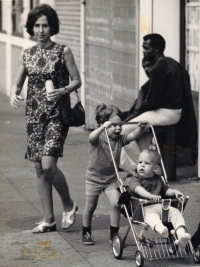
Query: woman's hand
[(55, 94), (15, 100), (107, 124)]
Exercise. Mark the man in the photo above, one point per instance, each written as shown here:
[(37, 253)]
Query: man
[(159, 101)]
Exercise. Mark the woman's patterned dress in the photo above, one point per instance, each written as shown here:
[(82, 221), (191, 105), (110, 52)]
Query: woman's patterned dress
[(45, 132)]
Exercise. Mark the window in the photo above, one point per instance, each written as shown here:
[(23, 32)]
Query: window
[(17, 17), (192, 42), (0, 15)]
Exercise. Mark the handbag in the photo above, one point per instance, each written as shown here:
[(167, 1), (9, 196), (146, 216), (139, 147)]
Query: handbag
[(73, 117), (77, 114)]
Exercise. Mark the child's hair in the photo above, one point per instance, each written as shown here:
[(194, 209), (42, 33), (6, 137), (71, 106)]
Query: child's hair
[(155, 154), (104, 113)]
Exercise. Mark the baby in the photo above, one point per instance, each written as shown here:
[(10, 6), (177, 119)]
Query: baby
[(149, 185)]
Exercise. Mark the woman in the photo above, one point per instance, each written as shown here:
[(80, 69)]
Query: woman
[(46, 132)]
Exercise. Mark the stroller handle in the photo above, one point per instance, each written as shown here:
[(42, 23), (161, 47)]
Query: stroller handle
[(146, 201), (124, 123)]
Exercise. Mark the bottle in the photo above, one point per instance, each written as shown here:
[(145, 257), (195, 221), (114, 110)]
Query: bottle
[(49, 87)]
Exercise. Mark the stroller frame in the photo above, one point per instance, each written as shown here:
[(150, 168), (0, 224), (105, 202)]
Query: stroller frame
[(156, 248)]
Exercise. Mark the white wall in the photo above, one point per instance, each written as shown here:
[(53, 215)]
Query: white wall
[(163, 17), (146, 7), (49, 2), (166, 21)]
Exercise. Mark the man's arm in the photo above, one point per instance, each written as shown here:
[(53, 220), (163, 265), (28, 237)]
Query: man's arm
[(156, 86)]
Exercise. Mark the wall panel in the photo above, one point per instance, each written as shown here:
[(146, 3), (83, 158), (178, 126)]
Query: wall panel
[(69, 34), (3, 66), (111, 59)]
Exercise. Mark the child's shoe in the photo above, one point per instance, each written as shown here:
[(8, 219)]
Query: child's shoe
[(87, 239), (184, 238), (182, 235), (113, 230)]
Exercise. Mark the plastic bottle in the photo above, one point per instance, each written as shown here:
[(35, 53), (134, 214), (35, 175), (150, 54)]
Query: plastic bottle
[(49, 87)]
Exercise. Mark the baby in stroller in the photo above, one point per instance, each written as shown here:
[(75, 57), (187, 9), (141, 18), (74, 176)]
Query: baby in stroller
[(148, 184)]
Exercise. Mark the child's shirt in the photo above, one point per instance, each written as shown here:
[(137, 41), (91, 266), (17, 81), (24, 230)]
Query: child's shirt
[(154, 185), (101, 168)]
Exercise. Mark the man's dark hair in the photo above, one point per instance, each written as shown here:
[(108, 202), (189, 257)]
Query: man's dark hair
[(39, 11), (156, 41)]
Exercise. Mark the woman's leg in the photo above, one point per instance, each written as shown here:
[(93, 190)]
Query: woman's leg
[(57, 179), (45, 193)]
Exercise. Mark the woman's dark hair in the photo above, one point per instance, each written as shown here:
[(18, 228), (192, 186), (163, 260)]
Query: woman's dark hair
[(156, 40), (104, 113), (39, 11)]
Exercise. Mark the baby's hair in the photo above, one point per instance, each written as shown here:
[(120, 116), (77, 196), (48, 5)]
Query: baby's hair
[(155, 154), (104, 113)]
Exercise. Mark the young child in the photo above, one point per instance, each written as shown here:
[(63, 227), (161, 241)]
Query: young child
[(149, 185), (100, 173)]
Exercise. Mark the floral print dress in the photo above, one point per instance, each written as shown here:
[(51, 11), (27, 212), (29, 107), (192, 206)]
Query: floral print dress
[(46, 133)]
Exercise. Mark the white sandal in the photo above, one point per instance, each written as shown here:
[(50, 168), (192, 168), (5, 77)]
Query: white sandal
[(68, 218), (44, 227)]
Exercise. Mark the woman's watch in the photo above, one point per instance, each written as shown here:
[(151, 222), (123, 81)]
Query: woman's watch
[(66, 91)]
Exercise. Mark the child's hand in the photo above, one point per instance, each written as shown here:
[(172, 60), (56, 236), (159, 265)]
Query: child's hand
[(142, 124), (155, 198), (107, 124), (178, 194)]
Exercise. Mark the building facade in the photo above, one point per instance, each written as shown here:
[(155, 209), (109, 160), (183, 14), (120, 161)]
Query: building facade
[(106, 37)]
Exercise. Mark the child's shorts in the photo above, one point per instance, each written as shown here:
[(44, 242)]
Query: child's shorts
[(94, 189)]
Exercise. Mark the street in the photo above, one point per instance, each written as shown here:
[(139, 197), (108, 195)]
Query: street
[(20, 206)]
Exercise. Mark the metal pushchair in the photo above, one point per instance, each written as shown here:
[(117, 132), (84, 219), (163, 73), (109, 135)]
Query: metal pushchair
[(153, 248)]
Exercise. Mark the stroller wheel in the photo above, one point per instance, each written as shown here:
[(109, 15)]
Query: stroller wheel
[(197, 255), (139, 259), (117, 246)]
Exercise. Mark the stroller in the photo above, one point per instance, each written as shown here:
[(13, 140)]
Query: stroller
[(154, 248)]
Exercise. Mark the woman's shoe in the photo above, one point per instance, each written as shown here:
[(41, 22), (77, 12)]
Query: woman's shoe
[(68, 218), (44, 227)]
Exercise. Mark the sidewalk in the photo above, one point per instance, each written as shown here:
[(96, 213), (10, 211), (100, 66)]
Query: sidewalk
[(20, 206)]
